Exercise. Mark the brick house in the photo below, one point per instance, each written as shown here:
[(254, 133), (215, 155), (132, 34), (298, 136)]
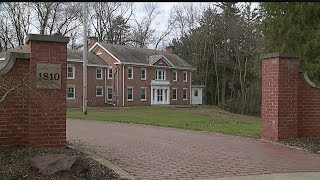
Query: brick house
[(128, 76)]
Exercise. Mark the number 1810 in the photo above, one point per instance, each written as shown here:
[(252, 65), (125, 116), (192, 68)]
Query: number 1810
[(49, 76)]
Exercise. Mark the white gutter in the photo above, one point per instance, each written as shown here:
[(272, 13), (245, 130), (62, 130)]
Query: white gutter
[(148, 65), (97, 65), (80, 61), (123, 85)]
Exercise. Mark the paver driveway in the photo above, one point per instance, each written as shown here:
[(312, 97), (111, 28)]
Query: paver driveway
[(148, 152)]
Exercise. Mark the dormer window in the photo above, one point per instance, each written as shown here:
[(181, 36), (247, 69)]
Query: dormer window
[(99, 52)]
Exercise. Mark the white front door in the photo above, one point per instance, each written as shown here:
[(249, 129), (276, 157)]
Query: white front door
[(160, 95)]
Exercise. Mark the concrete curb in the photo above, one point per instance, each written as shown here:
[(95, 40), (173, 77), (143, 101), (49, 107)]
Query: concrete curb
[(123, 174), (277, 176)]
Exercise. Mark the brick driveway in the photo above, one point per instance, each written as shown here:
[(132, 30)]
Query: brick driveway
[(148, 152)]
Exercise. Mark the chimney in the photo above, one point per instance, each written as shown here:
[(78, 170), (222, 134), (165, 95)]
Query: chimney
[(92, 40), (170, 49)]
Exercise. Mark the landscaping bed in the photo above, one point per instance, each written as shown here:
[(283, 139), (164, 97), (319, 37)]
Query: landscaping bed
[(309, 144), (16, 164)]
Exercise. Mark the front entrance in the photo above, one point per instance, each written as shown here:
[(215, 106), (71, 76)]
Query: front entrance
[(160, 92), (160, 95)]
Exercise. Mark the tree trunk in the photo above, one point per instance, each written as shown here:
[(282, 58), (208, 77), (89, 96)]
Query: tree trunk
[(223, 90)]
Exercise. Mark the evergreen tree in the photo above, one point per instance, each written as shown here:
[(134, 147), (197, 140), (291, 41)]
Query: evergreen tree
[(293, 28)]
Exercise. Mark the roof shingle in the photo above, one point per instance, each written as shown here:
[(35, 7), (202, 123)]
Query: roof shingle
[(127, 54)]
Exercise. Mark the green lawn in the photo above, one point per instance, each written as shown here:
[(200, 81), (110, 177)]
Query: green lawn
[(202, 118)]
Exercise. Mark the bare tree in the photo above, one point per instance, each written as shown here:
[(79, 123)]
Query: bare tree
[(20, 18), (6, 33), (55, 17), (110, 20), (169, 28), (187, 16), (142, 32)]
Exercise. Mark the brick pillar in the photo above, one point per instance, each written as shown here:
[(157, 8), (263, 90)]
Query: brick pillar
[(47, 113), (279, 114)]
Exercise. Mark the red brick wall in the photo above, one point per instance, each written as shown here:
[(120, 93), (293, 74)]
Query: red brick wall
[(137, 83), (14, 111), (47, 114), (270, 89), (290, 106), (288, 98), (309, 109), (93, 100), (116, 81), (32, 116), (179, 84)]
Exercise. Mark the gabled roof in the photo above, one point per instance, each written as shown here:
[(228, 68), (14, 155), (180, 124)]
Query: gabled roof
[(134, 55), (153, 59), (74, 55), (78, 56)]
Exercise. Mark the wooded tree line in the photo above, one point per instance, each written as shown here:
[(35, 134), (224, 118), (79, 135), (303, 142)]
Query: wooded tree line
[(227, 46), (225, 50), (224, 41)]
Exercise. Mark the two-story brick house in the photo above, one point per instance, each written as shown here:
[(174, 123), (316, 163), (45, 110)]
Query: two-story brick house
[(137, 76)]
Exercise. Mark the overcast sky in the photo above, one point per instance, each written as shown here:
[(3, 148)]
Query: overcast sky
[(162, 18)]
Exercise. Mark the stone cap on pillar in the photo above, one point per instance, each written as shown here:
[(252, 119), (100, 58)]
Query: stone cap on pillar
[(47, 38), (292, 56)]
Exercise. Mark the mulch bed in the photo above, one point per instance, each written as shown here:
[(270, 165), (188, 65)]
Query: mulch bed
[(309, 144), (15, 164)]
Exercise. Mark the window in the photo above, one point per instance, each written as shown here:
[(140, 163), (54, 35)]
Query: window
[(185, 76), (143, 93), (110, 95), (110, 73), (184, 94), (130, 94), (160, 94), (195, 93), (143, 74), (99, 91), (175, 76), (160, 75), (99, 73), (71, 72), (130, 72), (174, 94), (71, 92)]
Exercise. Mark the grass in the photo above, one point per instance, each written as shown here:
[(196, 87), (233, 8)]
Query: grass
[(202, 118)]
